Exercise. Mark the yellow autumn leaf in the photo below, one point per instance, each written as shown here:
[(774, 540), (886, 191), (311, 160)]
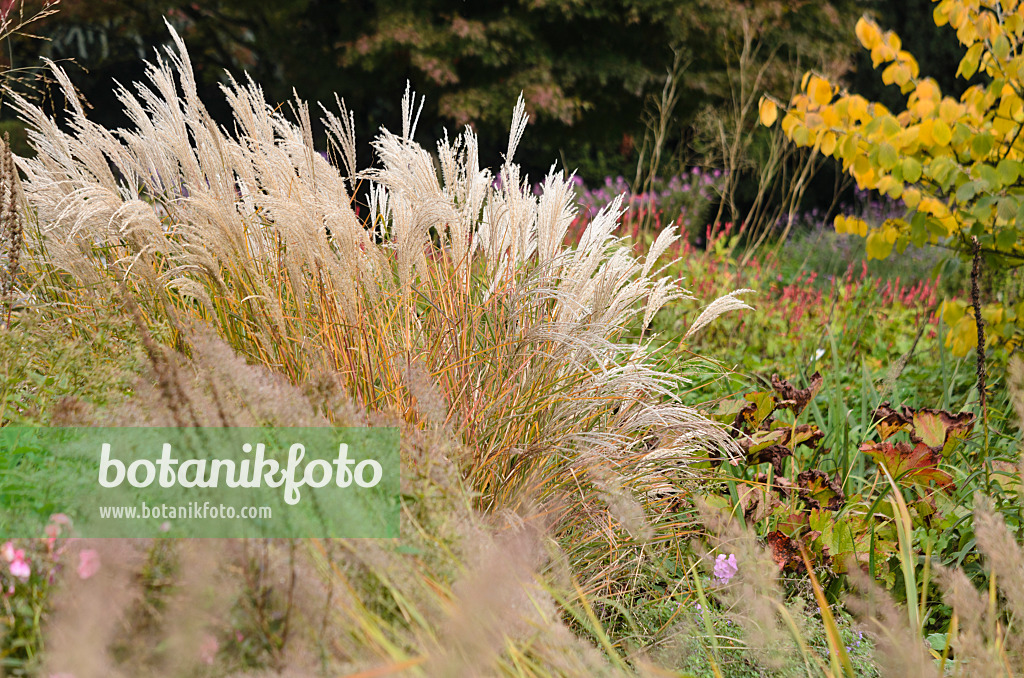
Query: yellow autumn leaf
[(769, 112), (927, 90), (949, 223), (910, 63), (951, 311), (949, 111), (877, 246), (828, 143), (924, 133), (934, 206), (992, 314), (789, 121), (888, 185), (829, 116), (848, 149), (820, 91), (922, 108), (867, 32), (863, 172), (858, 108), (963, 336), (889, 74)]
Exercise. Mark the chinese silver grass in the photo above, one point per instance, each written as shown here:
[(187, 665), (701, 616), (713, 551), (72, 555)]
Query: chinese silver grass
[(529, 343)]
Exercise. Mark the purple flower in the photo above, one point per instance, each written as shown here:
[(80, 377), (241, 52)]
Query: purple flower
[(725, 568)]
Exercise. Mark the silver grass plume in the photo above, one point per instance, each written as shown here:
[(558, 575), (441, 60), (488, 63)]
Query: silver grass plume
[(11, 226), (188, 205)]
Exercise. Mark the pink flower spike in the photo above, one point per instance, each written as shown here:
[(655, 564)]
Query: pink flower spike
[(88, 563), (725, 568), (19, 568)]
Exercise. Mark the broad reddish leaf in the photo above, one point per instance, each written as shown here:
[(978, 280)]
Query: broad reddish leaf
[(785, 552), (793, 524), (914, 464), (941, 430), (890, 421)]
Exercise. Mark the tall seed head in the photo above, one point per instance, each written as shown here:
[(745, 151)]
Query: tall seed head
[(10, 219)]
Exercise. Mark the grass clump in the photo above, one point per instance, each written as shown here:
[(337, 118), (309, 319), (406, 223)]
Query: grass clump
[(543, 436)]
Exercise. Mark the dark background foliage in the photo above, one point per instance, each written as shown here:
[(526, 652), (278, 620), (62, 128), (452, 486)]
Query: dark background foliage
[(589, 69)]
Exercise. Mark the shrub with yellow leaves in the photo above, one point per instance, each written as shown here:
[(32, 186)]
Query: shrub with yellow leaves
[(957, 164)]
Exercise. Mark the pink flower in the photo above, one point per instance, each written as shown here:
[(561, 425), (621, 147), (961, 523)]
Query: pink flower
[(19, 568), (60, 519), (7, 551), (208, 649), (725, 568), (88, 563)]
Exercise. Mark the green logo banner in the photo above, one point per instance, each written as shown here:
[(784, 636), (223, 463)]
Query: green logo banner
[(201, 482)]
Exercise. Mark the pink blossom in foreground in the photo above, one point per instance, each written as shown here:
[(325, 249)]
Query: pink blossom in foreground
[(725, 568), (88, 563), (208, 649), (20, 568)]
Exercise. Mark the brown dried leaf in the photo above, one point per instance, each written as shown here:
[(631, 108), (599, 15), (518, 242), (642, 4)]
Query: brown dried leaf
[(785, 552), (820, 491), (794, 398)]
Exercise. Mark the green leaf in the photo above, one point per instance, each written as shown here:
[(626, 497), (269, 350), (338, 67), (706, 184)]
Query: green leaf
[(990, 176), (1001, 47), (1009, 171), (969, 64), (911, 170), (967, 191), (1006, 239), (981, 145), (887, 156), (937, 641), (918, 229), (1007, 208)]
